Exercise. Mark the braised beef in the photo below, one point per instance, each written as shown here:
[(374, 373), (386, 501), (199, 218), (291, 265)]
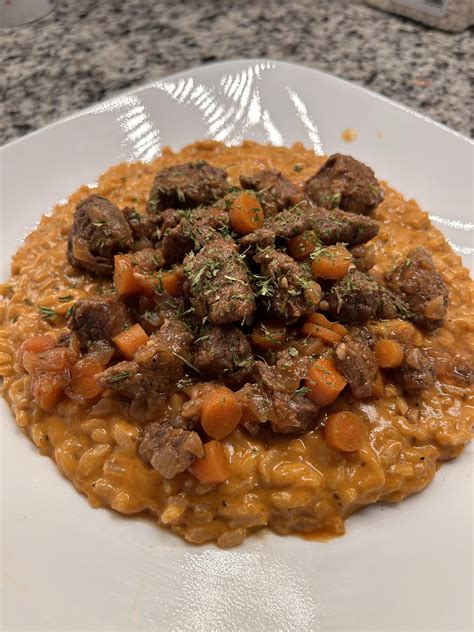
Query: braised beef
[(219, 283), (225, 353), (416, 280), (416, 373), (358, 364), (290, 290), (145, 228), (98, 318), (345, 183), (277, 192), (363, 256), (359, 297), (151, 377), (151, 311), (331, 227), (99, 231), (187, 186), (169, 450)]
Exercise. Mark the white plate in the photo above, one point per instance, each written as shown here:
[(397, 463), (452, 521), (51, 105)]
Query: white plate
[(68, 567)]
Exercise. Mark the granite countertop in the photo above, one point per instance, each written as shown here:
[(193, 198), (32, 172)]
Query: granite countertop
[(89, 50)]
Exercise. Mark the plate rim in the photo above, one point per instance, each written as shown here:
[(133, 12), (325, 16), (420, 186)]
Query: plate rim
[(89, 109)]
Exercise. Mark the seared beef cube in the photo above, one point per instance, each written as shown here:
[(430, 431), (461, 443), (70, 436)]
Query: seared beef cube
[(223, 353), (151, 377), (151, 311), (219, 283), (99, 231), (288, 411), (358, 364), (98, 318), (345, 183), (189, 235), (289, 286), (169, 450), (359, 297), (417, 372), (187, 186), (417, 282), (331, 227), (277, 192), (363, 256), (145, 228), (147, 259), (362, 334)]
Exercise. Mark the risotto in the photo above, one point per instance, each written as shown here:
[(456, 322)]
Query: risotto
[(233, 338)]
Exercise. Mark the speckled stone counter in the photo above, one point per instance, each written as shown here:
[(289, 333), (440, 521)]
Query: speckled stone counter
[(88, 50)]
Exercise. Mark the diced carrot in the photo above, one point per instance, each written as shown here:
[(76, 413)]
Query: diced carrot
[(172, 283), (129, 340), (331, 262), (246, 213), (47, 389), (378, 389), (319, 319), (221, 412), (344, 431), (317, 331), (324, 381), (389, 353), (35, 344), (269, 334), (301, 246), (83, 382), (124, 278), (213, 467)]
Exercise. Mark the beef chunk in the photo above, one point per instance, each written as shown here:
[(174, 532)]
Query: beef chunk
[(417, 282), (417, 372), (363, 256), (277, 192), (289, 286), (169, 450), (147, 381), (358, 364), (219, 284), (98, 318), (145, 228), (187, 186), (152, 311), (99, 231), (345, 183), (359, 297), (190, 234), (224, 353), (331, 227), (287, 410)]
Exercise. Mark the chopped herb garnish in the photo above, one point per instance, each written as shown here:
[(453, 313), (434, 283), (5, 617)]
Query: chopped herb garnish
[(301, 391), (47, 312), (27, 301), (66, 298), (118, 377), (186, 362), (293, 352), (297, 167)]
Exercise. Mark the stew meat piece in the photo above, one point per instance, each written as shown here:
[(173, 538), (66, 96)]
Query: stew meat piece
[(345, 183), (359, 297), (277, 192), (420, 285), (191, 234), (363, 256), (151, 377), (331, 227), (219, 283), (417, 372), (187, 186), (358, 364), (99, 231), (98, 318), (290, 288), (168, 449), (225, 353), (145, 228)]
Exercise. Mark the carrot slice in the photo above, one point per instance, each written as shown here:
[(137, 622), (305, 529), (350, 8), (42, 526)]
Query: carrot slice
[(83, 382), (301, 246), (213, 467), (317, 331), (172, 283), (324, 381), (319, 319), (129, 340), (246, 213), (269, 334), (221, 412), (331, 262), (389, 353), (124, 279), (344, 431)]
